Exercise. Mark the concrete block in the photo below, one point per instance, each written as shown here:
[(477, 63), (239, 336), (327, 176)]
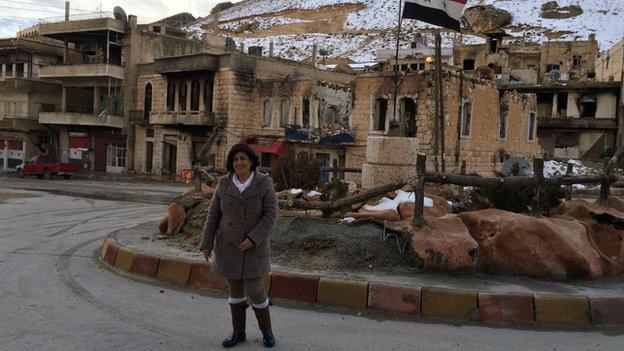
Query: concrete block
[(124, 259), (448, 303), (111, 253), (201, 277), (375, 174), (607, 310), (145, 265), (173, 270), (345, 293), (391, 150), (394, 298), (562, 309), (506, 308), (105, 245), (294, 287)]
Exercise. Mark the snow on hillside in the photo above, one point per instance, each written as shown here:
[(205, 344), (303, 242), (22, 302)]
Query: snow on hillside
[(370, 25)]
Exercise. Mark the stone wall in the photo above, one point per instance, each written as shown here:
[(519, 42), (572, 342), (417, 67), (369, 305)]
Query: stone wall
[(611, 63)]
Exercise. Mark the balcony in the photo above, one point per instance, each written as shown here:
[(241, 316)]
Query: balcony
[(138, 116), (82, 119), (578, 123), (191, 118), (84, 70)]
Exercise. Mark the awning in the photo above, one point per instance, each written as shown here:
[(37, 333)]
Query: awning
[(278, 147)]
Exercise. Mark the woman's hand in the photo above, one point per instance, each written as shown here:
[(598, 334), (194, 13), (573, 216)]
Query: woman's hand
[(207, 253), (245, 245)]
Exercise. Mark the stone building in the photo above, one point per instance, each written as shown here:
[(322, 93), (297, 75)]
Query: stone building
[(97, 77), (182, 98), (483, 126), (610, 65), (23, 96)]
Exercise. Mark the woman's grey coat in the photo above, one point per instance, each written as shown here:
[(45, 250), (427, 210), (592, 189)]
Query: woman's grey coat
[(232, 217)]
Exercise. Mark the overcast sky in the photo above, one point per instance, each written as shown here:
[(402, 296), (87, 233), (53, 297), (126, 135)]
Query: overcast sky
[(19, 14)]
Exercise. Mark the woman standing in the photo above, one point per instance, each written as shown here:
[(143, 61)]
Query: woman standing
[(241, 215)]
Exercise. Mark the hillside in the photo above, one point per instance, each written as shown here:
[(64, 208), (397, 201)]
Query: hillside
[(358, 28)]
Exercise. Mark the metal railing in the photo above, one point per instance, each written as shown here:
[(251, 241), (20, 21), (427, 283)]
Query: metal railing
[(78, 17)]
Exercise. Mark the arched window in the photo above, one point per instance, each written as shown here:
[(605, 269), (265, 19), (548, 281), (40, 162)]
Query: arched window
[(147, 103), (195, 95), (208, 94), (170, 96), (182, 96)]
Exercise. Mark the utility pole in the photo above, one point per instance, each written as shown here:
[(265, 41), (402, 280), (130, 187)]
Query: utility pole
[(439, 99), (66, 42), (396, 68)]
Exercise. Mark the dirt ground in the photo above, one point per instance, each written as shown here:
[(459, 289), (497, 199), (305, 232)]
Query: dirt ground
[(319, 244), (5, 196)]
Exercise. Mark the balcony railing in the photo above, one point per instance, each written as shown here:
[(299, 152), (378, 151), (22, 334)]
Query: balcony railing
[(577, 123), (183, 117), (82, 119)]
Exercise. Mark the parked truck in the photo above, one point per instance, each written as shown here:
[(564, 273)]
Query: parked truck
[(46, 167)]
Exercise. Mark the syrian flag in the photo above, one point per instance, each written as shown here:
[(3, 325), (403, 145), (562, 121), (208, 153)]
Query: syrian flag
[(444, 13)]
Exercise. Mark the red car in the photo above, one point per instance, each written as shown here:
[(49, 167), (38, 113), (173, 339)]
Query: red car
[(45, 167)]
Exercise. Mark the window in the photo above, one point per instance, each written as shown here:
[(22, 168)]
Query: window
[(421, 66), (170, 96), (414, 67), (266, 113), (551, 67), (493, 46), (502, 125), (408, 116), (532, 125), (380, 110), (466, 119), (195, 95), (116, 156), (469, 64), (284, 110), (182, 96), (149, 132), (147, 103), (149, 157), (588, 106), (306, 112), (208, 94), (576, 61)]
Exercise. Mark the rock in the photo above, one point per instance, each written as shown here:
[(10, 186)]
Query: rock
[(351, 187), (439, 209), (406, 210), (445, 245), (552, 10), (206, 189), (484, 19), (175, 219), (391, 195), (221, 7), (519, 245), (284, 194)]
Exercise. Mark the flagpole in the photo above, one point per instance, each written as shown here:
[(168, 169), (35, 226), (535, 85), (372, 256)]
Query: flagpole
[(396, 66)]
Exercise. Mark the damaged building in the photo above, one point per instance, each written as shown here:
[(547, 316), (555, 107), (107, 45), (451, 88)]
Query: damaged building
[(265, 102), (483, 125), (23, 96)]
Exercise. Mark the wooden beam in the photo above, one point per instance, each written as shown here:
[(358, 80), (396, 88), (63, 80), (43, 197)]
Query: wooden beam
[(419, 191)]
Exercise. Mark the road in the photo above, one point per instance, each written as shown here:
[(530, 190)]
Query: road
[(55, 295)]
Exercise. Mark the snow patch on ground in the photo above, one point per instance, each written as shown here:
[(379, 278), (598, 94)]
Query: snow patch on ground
[(386, 204)]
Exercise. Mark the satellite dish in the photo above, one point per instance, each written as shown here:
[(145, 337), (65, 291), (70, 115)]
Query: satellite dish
[(510, 165), (120, 14)]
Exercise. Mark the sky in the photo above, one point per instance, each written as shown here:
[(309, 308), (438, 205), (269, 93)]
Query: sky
[(20, 14)]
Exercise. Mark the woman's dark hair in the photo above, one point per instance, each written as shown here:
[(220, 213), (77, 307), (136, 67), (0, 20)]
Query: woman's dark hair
[(255, 162)]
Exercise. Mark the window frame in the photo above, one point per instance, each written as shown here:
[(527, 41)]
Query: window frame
[(532, 132), (462, 121)]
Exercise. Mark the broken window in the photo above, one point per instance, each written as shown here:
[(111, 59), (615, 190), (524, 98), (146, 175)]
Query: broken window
[(306, 112), (576, 61), (588, 106), (170, 96), (208, 94), (182, 96), (379, 113), (469, 64), (266, 113), (493, 46), (502, 125), (466, 119), (551, 67), (284, 109), (562, 105), (408, 116), (563, 140), (147, 103), (195, 95), (532, 125), (414, 67)]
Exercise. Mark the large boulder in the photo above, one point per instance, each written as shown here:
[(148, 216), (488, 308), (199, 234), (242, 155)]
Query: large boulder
[(440, 208), (445, 245), (484, 19), (519, 245)]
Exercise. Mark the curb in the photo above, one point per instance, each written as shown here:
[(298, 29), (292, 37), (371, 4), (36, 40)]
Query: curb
[(440, 304)]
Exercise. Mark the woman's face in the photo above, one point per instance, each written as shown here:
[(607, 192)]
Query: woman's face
[(242, 164)]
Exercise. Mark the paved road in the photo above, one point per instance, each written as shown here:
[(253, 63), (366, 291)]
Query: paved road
[(54, 295)]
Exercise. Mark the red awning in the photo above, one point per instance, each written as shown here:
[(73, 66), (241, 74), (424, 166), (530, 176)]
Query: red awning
[(278, 147)]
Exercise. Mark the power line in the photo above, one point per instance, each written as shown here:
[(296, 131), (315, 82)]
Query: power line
[(41, 5), (31, 10)]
